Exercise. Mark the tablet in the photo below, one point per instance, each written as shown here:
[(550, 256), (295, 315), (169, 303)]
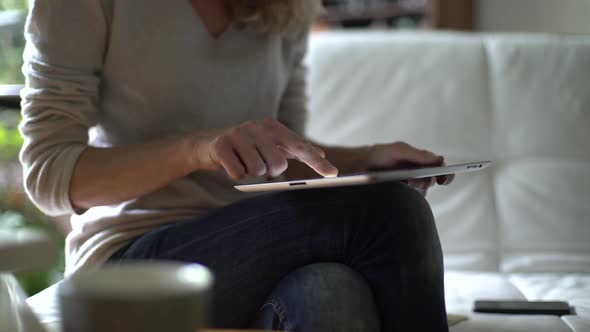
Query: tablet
[(365, 178)]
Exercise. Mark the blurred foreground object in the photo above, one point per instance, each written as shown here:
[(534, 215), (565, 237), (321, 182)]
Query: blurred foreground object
[(19, 251)]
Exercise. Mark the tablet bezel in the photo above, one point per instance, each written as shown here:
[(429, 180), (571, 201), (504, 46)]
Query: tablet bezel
[(365, 178)]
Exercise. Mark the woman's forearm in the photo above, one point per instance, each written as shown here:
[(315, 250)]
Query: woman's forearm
[(104, 176), (254, 148)]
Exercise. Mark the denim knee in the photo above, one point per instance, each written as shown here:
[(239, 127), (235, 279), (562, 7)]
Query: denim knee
[(404, 214), (399, 196), (320, 297)]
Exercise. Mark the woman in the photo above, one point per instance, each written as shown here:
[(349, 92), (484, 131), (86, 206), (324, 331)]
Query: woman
[(139, 116)]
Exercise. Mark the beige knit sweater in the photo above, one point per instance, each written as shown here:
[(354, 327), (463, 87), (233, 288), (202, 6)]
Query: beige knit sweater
[(109, 73)]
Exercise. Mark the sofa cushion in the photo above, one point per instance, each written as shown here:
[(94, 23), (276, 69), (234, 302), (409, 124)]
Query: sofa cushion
[(574, 288), (463, 288), (522, 101), (521, 323), (422, 88), (541, 93)]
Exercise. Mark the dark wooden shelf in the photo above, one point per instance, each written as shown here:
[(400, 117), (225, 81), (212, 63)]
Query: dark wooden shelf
[(376, 12), (451, 14), (435, 14)]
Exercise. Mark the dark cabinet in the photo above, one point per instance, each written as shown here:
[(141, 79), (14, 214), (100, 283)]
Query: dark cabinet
[(431, 14)]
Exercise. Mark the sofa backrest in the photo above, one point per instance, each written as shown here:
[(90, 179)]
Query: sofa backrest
[(522, 101)]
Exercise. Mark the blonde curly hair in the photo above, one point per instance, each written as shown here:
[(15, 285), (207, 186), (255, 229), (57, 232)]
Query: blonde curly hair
[(274, 16)]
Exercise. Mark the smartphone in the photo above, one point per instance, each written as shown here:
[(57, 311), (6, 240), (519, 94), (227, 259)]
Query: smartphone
[(517, 307)]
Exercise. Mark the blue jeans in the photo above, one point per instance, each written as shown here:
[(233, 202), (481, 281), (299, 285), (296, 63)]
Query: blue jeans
[(387, 276)]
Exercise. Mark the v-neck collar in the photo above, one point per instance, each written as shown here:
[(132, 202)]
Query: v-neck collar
[(198, 17)]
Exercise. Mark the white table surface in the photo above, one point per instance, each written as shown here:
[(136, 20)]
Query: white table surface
[(25, 250), (21, 250)]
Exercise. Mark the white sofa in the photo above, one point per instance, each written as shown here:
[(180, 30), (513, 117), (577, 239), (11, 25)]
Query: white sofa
[(521, 230)]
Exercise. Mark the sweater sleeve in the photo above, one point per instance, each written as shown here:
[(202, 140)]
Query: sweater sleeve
[(66, 42), (293, 106)]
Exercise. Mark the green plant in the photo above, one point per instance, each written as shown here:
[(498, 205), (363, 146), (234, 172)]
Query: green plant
[(11, 40), (10, 142), (10, 65), (13, 4), (16, 211), (12, 220)]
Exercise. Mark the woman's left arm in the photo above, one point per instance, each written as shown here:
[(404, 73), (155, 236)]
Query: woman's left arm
[(293, 114), (365, 158)]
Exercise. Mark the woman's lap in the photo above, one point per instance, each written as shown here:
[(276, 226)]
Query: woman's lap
[(384, 231)]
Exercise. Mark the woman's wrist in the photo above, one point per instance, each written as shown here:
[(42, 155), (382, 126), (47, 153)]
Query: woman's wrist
[(189, 150), (104, 176)]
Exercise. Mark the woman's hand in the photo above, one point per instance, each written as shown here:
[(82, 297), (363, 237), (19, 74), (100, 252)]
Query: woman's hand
[(255, 148), (399, 155)]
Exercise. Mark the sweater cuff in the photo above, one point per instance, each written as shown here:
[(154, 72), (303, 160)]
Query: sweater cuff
[(65, 201)]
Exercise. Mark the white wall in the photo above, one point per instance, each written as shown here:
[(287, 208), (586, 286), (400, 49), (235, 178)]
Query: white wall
[(559, 16)]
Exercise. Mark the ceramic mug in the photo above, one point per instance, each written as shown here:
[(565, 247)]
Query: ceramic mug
[(137, 296)]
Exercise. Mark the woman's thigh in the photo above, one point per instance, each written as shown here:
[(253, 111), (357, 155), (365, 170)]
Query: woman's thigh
[(253, 244)]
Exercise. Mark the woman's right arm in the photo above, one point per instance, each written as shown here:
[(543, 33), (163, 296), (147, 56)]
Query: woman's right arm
[(66, 42), (255, 148), (104, 176)]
